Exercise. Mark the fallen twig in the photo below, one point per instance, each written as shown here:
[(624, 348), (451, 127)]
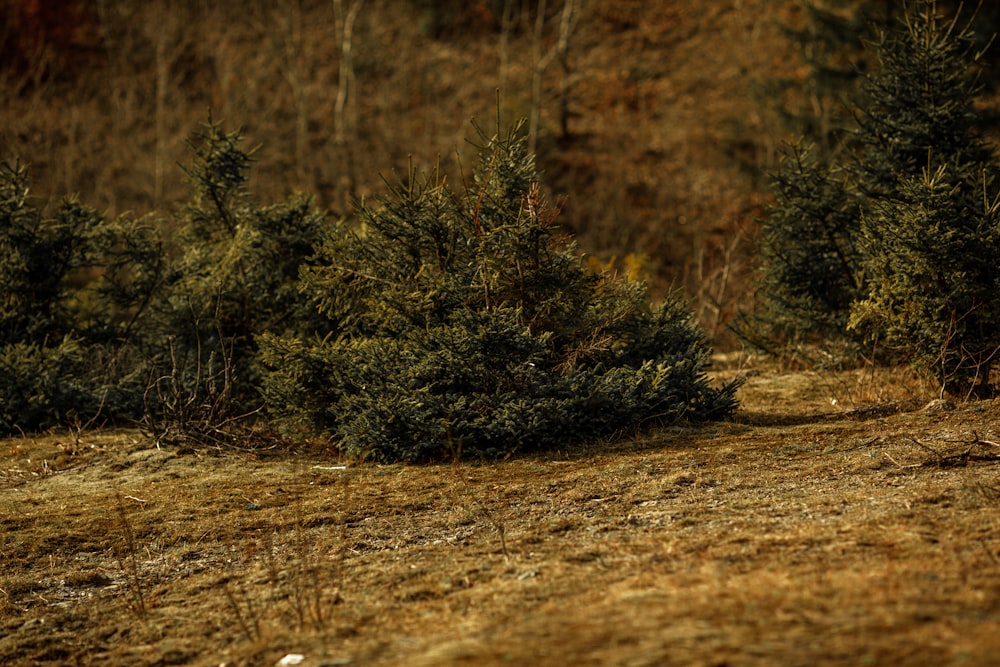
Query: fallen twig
[(900, 465), (959, 458)]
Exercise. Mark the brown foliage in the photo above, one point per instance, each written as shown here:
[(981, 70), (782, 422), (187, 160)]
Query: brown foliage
[(657, 103)]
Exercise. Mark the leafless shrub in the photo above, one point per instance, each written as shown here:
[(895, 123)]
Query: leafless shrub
[(242, 606), (195, 405)]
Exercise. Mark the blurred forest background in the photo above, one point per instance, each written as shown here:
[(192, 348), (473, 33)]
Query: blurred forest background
[(657, 121)]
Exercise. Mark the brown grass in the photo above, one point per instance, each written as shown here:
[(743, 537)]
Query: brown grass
[(800, 533)]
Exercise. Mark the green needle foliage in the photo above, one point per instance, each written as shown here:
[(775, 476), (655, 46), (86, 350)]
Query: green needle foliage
[(809, 246), (101, 318), (236, 275), (921, 103), (447, 324), (44, 318), (931, 257), (929, 234), (233, 278), (462, 325), (895, 245), (76, 296), (38, 258)]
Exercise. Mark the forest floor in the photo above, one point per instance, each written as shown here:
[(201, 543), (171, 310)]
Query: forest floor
[(837, 520)]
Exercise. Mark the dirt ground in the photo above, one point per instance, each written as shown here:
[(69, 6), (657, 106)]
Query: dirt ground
[(839, 520)]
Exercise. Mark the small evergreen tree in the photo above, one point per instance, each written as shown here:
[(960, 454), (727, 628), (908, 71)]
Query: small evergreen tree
[(38, 258), (234, 279), (460, 326), (934, 283), (920, 104), (921, 246), (810, 267), (44, 374), (97, 318), (929, 234), (75, 294), (812, 271)]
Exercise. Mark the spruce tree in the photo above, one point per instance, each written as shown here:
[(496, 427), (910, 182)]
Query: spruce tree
[(920, 105), (917, 212), (808, 249), (810, 272), (96, 318), (39, 255), (933, 281), (929, 233), (234, 279), (461, 325), (60, 337)]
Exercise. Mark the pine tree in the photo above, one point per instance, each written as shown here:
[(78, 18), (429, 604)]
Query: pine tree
[(921, 103), (916, 213), (235, 279), (933, 277), (59, 337), (460, 325), (810, 271), (929, 234), (812, 267)]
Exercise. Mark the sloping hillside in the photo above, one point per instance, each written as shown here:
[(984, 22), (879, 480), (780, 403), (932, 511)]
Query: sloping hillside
[(802, 533), (663, 130)]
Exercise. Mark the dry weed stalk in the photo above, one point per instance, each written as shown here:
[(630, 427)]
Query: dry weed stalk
[(127, 559), (498, 524), (306, 580), (714, 299), (308, 587), (247, 615), (5, 602), (969, 364), (79, 427), (199, 409)]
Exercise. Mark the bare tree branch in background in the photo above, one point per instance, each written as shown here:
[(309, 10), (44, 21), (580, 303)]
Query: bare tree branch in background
[(347, 181), (168, 47), (345, 24), (567, 22), (506, 25), (144, 44), (289, 42)]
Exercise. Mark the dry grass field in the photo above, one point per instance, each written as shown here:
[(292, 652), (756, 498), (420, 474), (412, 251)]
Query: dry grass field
[(804, 532), (839, 519)]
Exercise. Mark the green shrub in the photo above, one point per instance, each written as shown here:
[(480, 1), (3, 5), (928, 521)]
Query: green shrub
[(931, 257), (40, 385), (39, 257), (808, 247), (894, 246), (461, 324), (447, 323), (51, 321), (145, 333), (234, 278)]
